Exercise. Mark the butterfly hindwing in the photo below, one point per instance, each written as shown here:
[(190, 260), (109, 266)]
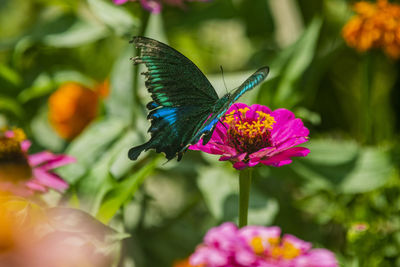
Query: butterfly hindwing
[(171, 130)]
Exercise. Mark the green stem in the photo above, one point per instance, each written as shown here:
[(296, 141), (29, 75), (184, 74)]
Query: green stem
[(244, 195), (366, 129)]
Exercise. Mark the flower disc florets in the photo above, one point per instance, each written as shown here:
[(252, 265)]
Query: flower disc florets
[(251, 135)]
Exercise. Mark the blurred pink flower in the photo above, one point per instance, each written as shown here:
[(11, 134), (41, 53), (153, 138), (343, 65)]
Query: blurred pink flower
[(257, 246), (255, 134), (155, 6), (24, 174), (36, 236)]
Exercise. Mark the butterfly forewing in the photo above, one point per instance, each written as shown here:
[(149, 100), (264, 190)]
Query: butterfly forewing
[(171, 78)]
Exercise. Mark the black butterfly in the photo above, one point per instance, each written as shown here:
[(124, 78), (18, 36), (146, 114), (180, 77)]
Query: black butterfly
[(185, 106)]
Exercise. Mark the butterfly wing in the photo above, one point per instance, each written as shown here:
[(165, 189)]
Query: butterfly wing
[(182, 98), (171, 130), (172, 79), (226, 101)]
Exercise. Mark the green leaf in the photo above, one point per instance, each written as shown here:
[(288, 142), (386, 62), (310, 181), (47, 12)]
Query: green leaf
[(64, 76), (9, 104), (299, 61), (90, 145), (79, 33), (41, 86), (114, 16), (220, 189), (372, 170), (44, 133), (10, 75), (99, 179), (344, 167), (120, 101), (123, 192)]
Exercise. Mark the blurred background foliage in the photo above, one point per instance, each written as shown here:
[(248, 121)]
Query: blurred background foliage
[(344, 196)]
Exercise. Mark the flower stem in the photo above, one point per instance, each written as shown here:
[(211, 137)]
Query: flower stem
[(366, 130), (244, 195)]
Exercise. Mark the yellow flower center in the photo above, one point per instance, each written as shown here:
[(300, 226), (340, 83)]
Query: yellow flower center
[(257, 245), (274, 248), (247, 134), (286, 250), (14, 165)]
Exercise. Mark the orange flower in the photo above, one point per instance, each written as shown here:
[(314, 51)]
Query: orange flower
[(73, 106), (183, 263), (376, 25)]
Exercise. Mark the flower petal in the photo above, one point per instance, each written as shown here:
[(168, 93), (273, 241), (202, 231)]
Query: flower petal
[(48, 160), (283, 158), (120, 2), (151, 5), (35, 186), (49, 179), (25, 145)]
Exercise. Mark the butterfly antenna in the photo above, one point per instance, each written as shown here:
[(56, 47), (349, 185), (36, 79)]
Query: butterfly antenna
[(223, 78)]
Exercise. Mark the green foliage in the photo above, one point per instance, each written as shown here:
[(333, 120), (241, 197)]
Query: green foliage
[(346, 99)]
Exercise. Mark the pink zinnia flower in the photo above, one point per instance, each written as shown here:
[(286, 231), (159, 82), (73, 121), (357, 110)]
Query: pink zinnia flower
[(257, 246), (155, 6), (253, 135), (25, 174)]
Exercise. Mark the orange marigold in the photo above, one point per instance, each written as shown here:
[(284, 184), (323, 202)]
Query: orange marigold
[(73, 106), (376, 25)]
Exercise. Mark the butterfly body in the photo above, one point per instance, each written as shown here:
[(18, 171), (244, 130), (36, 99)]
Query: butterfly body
[(184, 106)]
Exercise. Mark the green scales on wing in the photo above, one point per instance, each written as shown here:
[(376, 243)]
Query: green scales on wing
[(184, 106)]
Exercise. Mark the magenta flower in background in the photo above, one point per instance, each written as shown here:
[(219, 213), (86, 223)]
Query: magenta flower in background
[(257, 246), (155, 6), (24, 174), (256, 135)]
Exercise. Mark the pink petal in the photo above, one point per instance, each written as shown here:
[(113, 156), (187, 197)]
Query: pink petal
[(49, 179), (120, 2), (49, 161), (252, 113), (283, 158), (61, 160), (296, 242), (290, 143), (41, 157), (237, 106), (25, 145), (240, 165), (234, 157), (292, 128), (316, 258), (152, 6), (282, 115), (35, 186)]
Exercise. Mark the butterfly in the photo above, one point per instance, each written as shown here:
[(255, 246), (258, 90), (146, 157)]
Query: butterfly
[(184, 106)]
